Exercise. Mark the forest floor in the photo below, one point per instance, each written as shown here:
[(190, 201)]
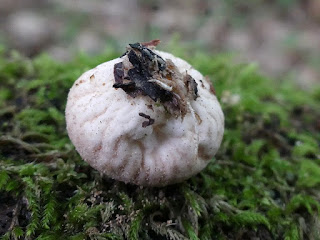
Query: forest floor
[(263, 183)]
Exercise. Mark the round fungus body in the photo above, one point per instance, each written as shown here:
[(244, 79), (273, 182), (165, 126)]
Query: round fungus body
[(146, 118)]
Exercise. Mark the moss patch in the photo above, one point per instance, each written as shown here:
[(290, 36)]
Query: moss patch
[(263, 183)]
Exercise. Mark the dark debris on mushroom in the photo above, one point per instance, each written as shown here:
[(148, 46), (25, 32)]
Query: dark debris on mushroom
[(144, 72)]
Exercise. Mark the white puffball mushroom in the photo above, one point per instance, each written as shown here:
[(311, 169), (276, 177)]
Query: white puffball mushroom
[(147, 118)]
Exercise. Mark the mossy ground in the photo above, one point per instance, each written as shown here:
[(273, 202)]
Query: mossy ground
[(263, 183)]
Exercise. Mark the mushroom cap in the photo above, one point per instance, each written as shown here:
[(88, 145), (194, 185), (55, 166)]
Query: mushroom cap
[(106, 127)]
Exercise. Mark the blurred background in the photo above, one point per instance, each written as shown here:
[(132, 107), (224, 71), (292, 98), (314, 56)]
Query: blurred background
[(281, 36)]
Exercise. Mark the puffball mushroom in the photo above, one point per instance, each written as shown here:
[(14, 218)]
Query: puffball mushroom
[(147, 118)]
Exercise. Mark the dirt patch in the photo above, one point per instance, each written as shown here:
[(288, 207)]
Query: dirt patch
[(7, 207)]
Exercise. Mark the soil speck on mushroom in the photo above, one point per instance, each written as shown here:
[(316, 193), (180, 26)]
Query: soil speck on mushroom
[(146, 123)]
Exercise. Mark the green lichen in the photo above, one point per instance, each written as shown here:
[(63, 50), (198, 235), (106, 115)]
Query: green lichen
[(263, 183)]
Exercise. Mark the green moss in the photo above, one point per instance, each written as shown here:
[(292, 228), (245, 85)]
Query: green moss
[(264, 182)]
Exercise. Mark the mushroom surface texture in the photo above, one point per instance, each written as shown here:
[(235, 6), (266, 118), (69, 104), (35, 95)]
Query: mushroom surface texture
[(147, 118)]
